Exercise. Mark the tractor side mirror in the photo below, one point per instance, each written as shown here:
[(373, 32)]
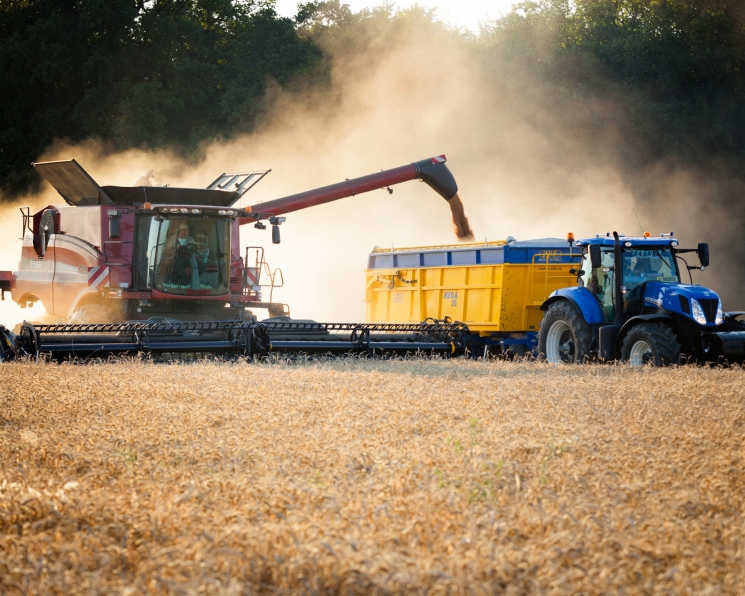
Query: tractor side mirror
[(703, 253), (275, 235), (595, 258)]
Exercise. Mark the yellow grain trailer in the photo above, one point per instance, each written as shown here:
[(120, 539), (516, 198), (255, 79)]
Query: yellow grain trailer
[(496, 288)]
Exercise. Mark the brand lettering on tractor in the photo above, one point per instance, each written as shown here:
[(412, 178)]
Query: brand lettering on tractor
[(398, 298), (452, 296)]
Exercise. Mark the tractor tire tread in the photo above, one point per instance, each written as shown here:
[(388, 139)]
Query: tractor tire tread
[(577, 324), (665, 345)]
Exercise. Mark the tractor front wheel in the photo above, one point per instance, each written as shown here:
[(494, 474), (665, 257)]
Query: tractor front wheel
[(652, 344), (565, 336)]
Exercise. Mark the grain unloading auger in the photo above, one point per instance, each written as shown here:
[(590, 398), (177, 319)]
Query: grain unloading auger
[(126, 256)]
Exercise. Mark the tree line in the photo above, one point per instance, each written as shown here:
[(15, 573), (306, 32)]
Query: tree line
[(172, 73)]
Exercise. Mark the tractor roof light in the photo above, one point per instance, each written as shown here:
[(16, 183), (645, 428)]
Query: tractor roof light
[(627, 244), (570, 237), (173, 210), (674, 243), (196, 211), (222, 212), (647, 234), (184, 210)]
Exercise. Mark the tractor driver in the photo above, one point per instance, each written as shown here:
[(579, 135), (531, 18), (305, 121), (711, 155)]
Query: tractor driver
[(637, 271), (183, 258)]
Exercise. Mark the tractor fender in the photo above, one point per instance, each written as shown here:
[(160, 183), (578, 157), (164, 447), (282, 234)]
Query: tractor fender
[(581, 299), (638, 320)]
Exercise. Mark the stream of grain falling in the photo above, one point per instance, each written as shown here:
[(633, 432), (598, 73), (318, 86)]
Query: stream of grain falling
[(460, 222)]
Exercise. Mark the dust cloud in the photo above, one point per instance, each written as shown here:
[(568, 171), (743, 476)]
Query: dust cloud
[(513, 150), (11, 314)]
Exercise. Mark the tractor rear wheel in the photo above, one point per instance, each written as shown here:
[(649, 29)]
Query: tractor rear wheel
[(652, 344), (565, 336)]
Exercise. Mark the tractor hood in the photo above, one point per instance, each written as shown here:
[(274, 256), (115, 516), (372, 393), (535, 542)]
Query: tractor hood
[(695, 302)]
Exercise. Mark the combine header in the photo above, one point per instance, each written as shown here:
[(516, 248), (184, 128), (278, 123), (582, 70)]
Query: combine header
[(158, 269), (172, 339)]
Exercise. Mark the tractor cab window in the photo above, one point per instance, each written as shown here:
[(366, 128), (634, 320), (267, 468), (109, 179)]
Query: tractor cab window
[(189, 255), (641, 265), (599, 281)]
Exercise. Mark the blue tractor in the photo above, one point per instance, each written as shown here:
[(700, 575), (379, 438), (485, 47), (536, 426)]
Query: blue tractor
[(630, 304)]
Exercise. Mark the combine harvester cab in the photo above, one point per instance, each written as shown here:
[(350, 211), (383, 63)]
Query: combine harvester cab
[(495, 288), (629, 304), (158, 269), (111, 254)]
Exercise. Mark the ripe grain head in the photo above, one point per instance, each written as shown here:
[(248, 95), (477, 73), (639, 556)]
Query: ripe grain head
[(362, 476)]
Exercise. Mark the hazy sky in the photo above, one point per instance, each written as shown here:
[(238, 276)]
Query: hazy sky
[(464, 13)]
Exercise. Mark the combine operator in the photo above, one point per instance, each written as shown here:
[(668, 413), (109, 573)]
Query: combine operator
[(185, 271)]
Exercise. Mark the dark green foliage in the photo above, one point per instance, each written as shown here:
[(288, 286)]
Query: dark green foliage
[(160, 73), (176, 72), (679, 64)]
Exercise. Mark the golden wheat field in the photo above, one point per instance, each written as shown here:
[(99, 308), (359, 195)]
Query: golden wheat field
[(353, 476)]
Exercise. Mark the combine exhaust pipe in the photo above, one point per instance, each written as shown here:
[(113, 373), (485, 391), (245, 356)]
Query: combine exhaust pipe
[(433, 171)]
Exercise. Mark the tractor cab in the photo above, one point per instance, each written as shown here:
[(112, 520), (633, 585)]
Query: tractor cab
[(643, 260), (630, 303)]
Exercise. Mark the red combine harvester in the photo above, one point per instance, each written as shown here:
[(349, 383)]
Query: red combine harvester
[(119, 255)]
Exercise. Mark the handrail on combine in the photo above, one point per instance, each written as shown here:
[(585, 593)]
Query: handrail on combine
[(27, 225), (260, 266)]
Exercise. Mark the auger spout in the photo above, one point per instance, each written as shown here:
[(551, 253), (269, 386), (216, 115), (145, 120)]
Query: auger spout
[(433, 171)]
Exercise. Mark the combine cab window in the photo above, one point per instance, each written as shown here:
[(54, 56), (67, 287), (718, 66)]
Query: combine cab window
[(188, 255)]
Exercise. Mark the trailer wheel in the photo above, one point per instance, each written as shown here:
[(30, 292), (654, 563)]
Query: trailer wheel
[(652, 344), (565, 336)]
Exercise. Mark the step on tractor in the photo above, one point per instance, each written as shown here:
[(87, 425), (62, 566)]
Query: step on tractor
[(159, 269), (630, 304)]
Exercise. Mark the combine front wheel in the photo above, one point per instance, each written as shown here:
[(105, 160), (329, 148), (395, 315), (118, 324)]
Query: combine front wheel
[(651, 344), (565, 336)]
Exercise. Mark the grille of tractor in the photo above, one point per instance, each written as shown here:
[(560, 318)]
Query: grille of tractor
[(710, 308)]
